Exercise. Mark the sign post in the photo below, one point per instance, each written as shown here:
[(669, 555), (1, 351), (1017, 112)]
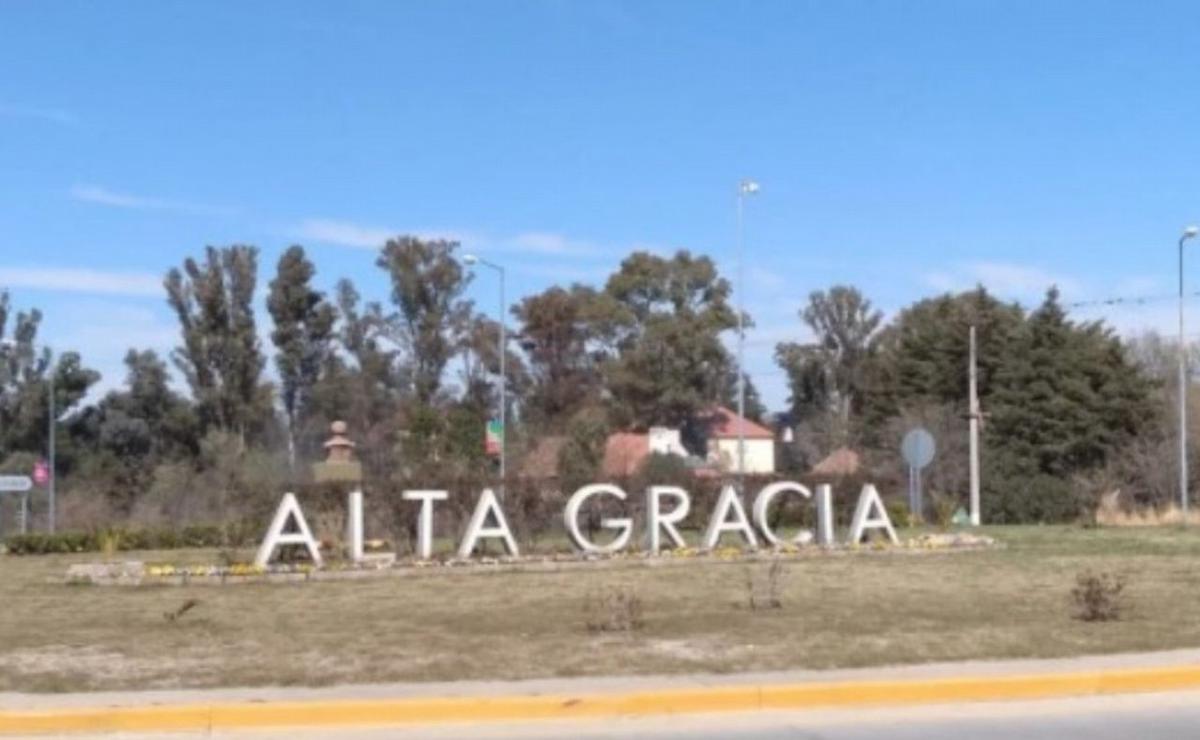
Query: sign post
[(974, 434), (918, 448), (15, 483), (19, 484)]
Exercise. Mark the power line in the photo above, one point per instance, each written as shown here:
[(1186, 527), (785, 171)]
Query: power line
[(1128, 300)]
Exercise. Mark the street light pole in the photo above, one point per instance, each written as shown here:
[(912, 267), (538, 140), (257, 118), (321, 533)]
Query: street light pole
[(1188, 233), (52, 423), (471, 259), (745, 187), (503, 382)]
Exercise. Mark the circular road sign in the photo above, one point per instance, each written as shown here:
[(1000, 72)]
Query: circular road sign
[(918, 448), (41, 473)]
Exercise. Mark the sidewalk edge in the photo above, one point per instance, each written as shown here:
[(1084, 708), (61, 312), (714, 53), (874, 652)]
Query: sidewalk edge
[(390, 712)]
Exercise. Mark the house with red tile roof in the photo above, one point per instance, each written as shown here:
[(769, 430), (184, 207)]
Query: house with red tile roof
[(722, 428), (625, 452)]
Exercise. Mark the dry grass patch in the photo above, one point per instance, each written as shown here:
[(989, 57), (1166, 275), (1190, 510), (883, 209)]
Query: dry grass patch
[(838, 611)]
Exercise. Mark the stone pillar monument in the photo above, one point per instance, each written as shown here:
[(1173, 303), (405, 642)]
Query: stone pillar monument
[(341, 467), (339, 464)]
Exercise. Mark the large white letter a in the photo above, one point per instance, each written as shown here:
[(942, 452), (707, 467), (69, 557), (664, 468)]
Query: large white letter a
[(289, 508)]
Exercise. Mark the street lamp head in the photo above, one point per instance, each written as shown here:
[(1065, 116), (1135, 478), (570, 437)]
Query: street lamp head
[(469, 259), (1191, 231), (748, 187)]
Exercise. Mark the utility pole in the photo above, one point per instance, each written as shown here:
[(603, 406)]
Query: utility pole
[(53, 418), (1188, 233), (974, 424), (745, 187), (471, 260), (503, 385)]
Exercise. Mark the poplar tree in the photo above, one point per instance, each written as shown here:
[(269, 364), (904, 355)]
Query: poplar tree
[(25, 369), (363, 382), (303, 334), (832, 369), (427, 289), (220, 357)]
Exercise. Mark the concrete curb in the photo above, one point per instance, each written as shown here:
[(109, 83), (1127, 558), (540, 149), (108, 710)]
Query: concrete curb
[(389, 712)]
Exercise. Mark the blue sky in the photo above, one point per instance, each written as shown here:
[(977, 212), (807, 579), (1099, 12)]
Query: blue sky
[(905, 147)]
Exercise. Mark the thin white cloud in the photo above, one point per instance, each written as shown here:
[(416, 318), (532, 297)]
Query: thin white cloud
[(82, 280), (547, 242), (50, 115), (1004, 279), (658, 250), (764, 337), (371, 236), (765, 280), (342, 233), (1138, 285), (564, 273), (98, 195), (361, 236), (103, 330), (1131, 320)]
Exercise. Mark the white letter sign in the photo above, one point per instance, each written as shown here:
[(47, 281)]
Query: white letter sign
[(729, 515), (571, 519), (477, 529), (825, 515), (870, 514), (354, 525), (425, 519), (658, 522), (289, 508), (762, 508), (729, 502)]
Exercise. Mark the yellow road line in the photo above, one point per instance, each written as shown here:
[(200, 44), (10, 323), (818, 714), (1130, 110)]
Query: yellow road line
[(330, 713)]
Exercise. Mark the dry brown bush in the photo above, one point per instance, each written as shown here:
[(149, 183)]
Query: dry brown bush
[(1097, 596), (613, 609), (763, 590)]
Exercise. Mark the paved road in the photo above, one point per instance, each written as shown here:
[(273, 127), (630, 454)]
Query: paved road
[(1169, 716)]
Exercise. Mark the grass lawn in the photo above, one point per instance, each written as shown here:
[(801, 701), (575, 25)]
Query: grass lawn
[(837, 612)]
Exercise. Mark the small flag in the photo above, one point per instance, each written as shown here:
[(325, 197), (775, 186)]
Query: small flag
[(495, 437)]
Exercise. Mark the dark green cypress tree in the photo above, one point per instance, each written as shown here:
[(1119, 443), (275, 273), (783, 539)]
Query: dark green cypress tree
[(1067, 399)]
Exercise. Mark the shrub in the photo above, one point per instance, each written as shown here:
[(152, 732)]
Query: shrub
[(659, 469), (45, 544), (944, 508), (1097, 597), (110, 541), (898, 512), (1031, 499), (614, 609), (764, 592)]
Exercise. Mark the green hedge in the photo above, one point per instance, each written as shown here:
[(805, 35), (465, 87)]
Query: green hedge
[(200, 535)]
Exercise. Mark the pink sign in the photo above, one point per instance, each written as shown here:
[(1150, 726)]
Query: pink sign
[(41, 473)]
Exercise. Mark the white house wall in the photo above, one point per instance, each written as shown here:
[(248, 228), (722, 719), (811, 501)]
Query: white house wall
[(760, 454)]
